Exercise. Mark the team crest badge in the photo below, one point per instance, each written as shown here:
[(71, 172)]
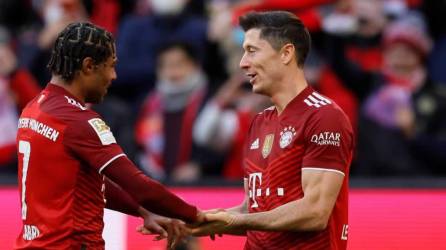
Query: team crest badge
[(286, 136), (267, 145)]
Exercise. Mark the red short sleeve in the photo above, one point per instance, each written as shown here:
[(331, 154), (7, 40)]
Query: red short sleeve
[(92, 141), (328, 141)]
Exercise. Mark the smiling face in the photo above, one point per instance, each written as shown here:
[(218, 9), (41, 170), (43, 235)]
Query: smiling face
[(261, 63)]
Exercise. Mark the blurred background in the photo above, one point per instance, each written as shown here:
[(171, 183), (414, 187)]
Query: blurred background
[(181, 108)]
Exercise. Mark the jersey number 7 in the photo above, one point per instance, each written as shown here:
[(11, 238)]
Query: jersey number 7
[(25, 149)]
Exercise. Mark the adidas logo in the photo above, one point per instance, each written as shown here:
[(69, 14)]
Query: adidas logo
[(255, 144), (316, 100)]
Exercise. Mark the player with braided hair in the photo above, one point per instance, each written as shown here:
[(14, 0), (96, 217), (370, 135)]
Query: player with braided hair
[(70, 166), (77, 41)]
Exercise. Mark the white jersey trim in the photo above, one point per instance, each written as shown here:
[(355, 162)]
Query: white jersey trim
[(325, 169), (110, 161), (316, 100)]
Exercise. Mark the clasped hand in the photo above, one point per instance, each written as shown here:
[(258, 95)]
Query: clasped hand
[(216, 222), (209, 223)]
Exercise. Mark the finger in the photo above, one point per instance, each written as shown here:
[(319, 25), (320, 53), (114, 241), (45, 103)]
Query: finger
[(203, 230), (178, 235), (158, 238), (141, 229), (157, 228), (185, 230), (170, 237)]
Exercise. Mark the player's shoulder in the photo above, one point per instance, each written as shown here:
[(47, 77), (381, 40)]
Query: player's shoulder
[(320, 107), (65, 108), (317, 103)]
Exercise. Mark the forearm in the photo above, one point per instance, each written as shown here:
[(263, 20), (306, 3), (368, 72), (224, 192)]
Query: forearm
[(240, 209), (293, 216), (118, 200), (148, 193)]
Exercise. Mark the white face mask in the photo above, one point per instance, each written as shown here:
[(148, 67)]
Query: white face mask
[(176, 95), (53, 13), (167, 7)]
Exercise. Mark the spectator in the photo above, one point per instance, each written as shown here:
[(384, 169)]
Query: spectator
[(17, 87), (401, 128), (140, 36), (164, 127), (36, 44), (224, 123)]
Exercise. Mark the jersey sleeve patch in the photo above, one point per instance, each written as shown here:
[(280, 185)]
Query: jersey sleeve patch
[(102, 130)]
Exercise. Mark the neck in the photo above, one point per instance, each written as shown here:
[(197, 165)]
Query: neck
[(71, 87), (291, 86)]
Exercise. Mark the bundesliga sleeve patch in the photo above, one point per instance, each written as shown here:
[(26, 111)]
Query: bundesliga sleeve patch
[(103, 131)]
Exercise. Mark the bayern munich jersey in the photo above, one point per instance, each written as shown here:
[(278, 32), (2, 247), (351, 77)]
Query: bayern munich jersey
[(312, 132), (62, 148)]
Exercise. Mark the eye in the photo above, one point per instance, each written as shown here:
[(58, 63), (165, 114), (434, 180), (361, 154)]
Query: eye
[(250, 50)]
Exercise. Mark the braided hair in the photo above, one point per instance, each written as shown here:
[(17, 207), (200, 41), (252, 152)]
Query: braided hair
[(77, 42)]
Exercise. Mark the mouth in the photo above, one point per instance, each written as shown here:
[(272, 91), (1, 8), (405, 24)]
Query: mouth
[(252, 77)]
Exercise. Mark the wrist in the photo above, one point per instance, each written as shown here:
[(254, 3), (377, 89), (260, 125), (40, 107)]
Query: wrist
[(143, 212), (200, 216), (239, 221)]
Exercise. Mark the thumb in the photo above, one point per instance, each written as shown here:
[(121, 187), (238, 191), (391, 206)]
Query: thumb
[(158, 229)]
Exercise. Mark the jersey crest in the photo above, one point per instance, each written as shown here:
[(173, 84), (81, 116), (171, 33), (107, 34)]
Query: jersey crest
[(286, 136)]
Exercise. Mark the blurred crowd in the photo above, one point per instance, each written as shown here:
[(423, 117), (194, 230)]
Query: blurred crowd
[(181, 107)]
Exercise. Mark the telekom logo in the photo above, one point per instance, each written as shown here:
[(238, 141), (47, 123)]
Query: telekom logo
[(253, 179), (254, 183)]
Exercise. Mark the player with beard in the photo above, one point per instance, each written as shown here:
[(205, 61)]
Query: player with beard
[(70, 166)]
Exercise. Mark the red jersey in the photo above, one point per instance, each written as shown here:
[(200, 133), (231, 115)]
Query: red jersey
[(62, 149), (312, 132)]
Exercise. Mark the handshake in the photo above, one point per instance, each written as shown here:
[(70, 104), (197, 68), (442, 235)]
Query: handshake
[(209, 223)]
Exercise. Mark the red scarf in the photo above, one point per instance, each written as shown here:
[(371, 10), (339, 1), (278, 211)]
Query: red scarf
[(150, 131)]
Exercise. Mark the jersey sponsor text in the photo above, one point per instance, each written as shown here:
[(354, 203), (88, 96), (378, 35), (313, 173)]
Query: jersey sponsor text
[(39, 127), (327, 138)]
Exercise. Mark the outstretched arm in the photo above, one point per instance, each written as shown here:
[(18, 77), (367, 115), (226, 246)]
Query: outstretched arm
[(310, 213), (148, 193), (118, 200), (209, 228)]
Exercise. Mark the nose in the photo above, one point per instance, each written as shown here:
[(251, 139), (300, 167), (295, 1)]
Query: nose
[(244, 62), (114, 75)]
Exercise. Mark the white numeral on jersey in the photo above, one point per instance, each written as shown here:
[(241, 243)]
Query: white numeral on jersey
[(344, 234), (25, 149)]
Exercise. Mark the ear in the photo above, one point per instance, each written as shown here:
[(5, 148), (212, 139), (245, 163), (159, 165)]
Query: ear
[(287, 53), (88, 65)]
